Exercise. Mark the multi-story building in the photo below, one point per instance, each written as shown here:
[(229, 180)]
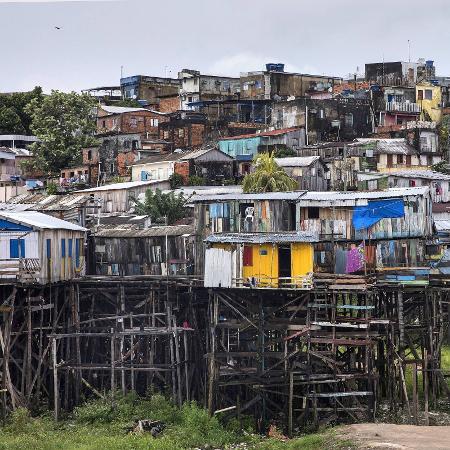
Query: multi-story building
[(148, 90)]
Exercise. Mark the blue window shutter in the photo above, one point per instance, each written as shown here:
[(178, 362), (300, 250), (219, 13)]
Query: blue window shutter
[(49, 248), (63, 248), (14, 248), (70, 248), (77, 252), (22, 247)]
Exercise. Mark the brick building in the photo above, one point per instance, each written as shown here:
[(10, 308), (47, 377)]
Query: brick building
[(184, 130), (129, 120)]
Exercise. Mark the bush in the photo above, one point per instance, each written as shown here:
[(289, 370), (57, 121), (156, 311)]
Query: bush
[(176, 180), (52, 188), (195, 180)]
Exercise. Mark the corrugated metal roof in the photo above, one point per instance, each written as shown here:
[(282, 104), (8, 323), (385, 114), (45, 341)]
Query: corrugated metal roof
[(43, 202), (125, 109), (425, 174), (442, 225), (289, 196), (262, 134), (121, 186), (327, 196), (262, 238), (392, 146), (296, 161), (171, 230), (39, 220)]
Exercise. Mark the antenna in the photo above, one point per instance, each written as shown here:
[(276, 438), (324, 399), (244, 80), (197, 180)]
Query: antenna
[(121, 71), (409, 50)]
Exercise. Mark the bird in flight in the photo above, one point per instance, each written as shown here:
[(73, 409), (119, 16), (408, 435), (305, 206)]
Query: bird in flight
[(58, 28)]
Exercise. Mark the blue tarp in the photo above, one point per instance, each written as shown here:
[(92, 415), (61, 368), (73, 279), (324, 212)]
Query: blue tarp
[(366, 216)]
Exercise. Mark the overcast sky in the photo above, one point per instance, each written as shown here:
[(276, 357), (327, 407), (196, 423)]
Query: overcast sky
[(215, 36)]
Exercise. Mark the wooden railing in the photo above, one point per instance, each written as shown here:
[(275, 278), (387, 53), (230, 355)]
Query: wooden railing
[(23, 269), (299, 282)]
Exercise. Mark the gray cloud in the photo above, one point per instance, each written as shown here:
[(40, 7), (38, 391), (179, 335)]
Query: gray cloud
[(151, 37)]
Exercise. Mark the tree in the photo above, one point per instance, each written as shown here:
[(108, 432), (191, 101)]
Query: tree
[(64, 124), (159, 206), (16, 119), (268, 176), (10, 122)]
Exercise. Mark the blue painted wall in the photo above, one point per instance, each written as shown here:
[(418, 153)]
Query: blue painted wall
[(237, 147)]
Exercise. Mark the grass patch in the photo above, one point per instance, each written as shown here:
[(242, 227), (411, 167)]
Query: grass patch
[(97, 425)]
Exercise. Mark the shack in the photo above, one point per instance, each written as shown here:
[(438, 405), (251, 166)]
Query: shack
[(308, 171), (38, 248), (357, 231), (119, 197), (165, 250), (268, 260)]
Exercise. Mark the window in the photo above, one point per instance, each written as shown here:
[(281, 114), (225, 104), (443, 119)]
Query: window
[(134, 144), (420, 94), (408, 160), (247, 256), (133, 122), (399, 159), (154, 122), (428, 94), (263, 252), (104, 123), (166, 135), (17, 248), (49, 248), (78, 251), (348, 119), (181, 132), (389, 160), (70, 242), (89, 155), (313, 213), (111, 167)]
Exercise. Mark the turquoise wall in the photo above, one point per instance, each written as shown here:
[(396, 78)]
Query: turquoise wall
[(236, 147)]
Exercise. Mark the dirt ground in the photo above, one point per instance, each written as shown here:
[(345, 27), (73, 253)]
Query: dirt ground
[(389, 436)]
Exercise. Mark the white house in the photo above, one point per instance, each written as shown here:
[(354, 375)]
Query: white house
[(35, 247)]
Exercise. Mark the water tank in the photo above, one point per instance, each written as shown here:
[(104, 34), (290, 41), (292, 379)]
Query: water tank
[(429, 63), (275, 67)]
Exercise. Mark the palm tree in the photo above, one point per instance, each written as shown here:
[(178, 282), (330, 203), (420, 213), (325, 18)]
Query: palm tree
[(268, 176)]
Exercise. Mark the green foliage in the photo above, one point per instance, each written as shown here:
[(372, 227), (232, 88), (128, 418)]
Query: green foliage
[(176, 180), (52, 188), (160, 206), (195, 180), (268, 176), (441, 166), (282, 151), (444, 135), (10, 122), (14, 119), (100, 425), (65, 124)]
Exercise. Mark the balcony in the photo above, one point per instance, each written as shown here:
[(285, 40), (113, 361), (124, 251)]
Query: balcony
[(404, 107)]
